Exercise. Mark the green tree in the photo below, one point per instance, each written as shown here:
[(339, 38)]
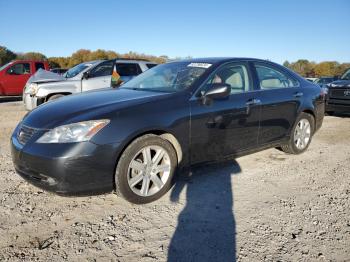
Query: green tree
[(62, 62), (6, 55), (98, 54), (82, 55), (286, 64), (31, 56), (303, 67), (342, 68), (328, 68)]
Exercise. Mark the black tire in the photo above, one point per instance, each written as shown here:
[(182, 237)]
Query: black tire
[(121, 175), (54, 97), (290, 147)]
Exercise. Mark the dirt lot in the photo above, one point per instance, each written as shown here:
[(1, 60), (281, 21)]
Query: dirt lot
[(267, 206)]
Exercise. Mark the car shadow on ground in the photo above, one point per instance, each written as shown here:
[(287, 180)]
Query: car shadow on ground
[(206, 227), (5, 99)]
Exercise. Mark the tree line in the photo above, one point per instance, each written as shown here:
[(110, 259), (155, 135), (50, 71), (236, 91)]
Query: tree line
[(308, 68), (304, 67), (82, 55)]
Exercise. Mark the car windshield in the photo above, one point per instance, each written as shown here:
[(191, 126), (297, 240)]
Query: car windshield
[(171, 77), (76, 70), (346, 75), (5, 65)]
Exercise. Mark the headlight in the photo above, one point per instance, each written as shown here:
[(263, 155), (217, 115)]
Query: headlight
[(77, 132), (324, 90), (32, 89)]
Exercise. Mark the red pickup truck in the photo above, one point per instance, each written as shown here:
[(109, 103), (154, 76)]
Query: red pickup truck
[(14, 75)]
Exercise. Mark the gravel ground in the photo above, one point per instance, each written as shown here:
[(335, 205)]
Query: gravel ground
[(266, 206)]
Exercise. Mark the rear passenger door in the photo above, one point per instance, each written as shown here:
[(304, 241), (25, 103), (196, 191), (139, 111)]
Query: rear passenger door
[(99, 76), (280, 97)]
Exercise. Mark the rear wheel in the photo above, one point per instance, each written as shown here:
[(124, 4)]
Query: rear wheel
[(301, 135), (54, 97), (145, 170)]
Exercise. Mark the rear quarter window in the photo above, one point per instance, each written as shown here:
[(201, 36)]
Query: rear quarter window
[(128, 69), (270, 77)]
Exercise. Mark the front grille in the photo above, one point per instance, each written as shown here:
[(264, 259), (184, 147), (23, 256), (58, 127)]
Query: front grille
[(25, 133), (340, 93)]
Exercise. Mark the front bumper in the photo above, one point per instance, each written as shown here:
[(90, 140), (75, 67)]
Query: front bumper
[(338, 105), (66, 169), (30, 102)]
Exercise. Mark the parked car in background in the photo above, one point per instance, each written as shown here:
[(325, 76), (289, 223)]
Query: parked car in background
[(134, 138), (323, 81), (59, 71), (311, 79), (87, 76), (338, 97), (14, 75)]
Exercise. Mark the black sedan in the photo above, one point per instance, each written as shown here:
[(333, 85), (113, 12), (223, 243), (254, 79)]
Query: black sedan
[(134, 139)]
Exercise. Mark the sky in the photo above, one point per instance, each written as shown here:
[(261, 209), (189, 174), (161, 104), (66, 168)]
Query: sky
[(316, 30)]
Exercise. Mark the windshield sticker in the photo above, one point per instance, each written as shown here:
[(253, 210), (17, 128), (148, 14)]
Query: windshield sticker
[(202, 65)]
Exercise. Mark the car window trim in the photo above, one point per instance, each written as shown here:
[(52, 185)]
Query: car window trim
[(138, 68), (105, 61), (242, 62), (30, 68)]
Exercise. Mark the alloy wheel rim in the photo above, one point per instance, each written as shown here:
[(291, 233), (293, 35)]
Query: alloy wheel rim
[(149, 170), (302, 134)]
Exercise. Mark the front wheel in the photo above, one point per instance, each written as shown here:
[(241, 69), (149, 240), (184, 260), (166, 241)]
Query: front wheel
[(301, 135), (145, 170)]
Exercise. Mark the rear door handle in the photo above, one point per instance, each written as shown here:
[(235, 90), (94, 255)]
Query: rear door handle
[(298, 94)]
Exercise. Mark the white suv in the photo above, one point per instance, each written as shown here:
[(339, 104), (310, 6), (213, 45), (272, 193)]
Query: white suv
[(45, 86)]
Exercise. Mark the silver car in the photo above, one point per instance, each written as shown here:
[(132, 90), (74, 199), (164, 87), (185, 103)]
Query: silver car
[(46, 86)]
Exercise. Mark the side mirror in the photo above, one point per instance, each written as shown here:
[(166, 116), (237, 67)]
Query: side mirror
[(86, 75), (11, 71), (218, 91)]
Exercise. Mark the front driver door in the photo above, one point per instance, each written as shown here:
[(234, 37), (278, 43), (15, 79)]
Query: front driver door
[(226, 126), (16, 78), (99, 76)]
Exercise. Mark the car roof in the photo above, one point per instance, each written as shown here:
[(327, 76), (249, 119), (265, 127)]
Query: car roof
[(214, 60), (29, 60), (125, 60)]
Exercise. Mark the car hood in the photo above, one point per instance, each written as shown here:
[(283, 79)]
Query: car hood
[(43, 76), (87, 106), (339, 83)]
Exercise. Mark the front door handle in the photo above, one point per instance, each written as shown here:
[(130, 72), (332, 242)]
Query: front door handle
[(252, 102), (298, 94)]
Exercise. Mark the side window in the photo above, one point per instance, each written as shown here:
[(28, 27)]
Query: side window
[(234, 75), (19, 69), (103, 69), (38, 66), (270, 78), (128, 69)]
